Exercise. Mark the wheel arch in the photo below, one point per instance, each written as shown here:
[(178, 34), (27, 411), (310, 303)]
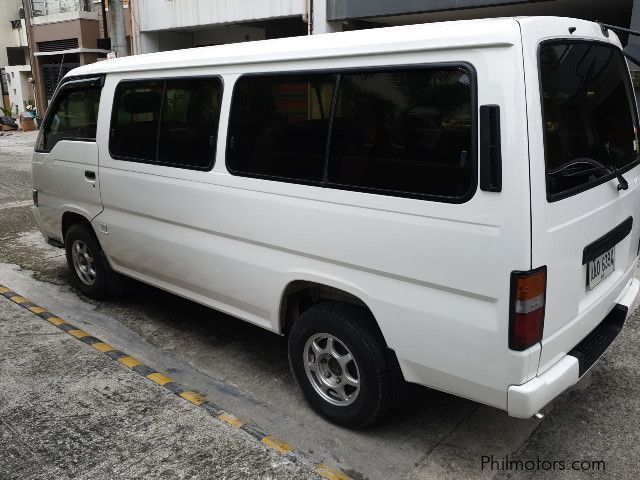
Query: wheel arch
[(300, 294), (71, 218)]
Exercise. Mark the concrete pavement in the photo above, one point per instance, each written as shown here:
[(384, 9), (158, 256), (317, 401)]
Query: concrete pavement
[(68, 411)]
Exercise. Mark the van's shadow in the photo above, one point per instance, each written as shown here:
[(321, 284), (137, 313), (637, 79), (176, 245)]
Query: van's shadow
[(241, 350)]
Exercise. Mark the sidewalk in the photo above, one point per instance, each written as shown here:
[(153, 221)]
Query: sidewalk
[(68, 411)]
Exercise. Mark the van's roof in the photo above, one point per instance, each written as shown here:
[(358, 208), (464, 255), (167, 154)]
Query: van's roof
[(491, 32)]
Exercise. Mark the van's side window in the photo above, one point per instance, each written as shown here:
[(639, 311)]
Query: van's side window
[(134, 126), (74, 116), (404, 132), (279, 125), (170, 122), (189, 126)]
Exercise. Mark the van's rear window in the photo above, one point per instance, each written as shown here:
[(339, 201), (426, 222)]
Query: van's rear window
[(589, 114)]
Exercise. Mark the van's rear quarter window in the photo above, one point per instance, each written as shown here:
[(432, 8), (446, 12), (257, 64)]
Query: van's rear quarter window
[(589, 115), (404, 132), (401, 131)]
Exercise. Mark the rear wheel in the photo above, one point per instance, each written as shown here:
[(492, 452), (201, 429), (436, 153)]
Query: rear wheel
[(338, 360), (86, 261)]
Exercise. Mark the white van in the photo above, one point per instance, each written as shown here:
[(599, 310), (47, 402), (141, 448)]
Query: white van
[(452, 204)]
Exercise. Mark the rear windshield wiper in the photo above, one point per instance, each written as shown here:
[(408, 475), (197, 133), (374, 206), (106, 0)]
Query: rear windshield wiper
[(622, 182)]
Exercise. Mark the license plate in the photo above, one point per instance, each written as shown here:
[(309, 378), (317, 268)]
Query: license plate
[(600, 268)]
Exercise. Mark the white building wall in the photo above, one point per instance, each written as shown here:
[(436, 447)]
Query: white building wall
[(19, 36), (214, 35), (318, 22), (8, 11), (19, 87), (156, 15)]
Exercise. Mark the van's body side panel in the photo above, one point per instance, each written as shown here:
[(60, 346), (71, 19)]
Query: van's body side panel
[(435, 275), (59, 177), (561, 229)]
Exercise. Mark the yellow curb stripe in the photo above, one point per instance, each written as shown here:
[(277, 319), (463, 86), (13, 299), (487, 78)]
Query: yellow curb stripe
[(231, 420), (331, 473), (159, 378), (277, 444), (193, 397), (103, 347), (57, 321), (78, 333), (19, 299), (130, 361), (37, 309), (4, 289)]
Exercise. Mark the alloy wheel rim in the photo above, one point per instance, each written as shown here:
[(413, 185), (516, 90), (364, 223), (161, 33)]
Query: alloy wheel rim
[(83, 262), (331, 369)]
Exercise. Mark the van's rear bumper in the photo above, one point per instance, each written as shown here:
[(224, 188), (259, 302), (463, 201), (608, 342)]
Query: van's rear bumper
[(526, 400)]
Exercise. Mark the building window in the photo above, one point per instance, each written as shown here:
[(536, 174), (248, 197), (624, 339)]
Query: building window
[(279, 126), (57, 45)]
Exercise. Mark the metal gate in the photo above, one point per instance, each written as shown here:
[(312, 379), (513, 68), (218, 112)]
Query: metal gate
[(52, 73)]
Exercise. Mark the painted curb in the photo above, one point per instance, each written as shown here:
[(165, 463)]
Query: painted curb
[(196, 398)]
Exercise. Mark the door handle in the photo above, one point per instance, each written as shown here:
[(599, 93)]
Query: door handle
[(89, 175)]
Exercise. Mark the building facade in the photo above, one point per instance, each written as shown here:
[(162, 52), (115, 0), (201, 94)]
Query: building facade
[(161, 25), (15, 68), (170, 25), (63, 35)]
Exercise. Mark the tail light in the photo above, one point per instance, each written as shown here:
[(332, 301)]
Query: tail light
[(528, 295)]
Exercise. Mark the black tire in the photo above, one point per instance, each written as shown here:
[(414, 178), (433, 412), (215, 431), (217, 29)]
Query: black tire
[(98, 289), (351, 326)]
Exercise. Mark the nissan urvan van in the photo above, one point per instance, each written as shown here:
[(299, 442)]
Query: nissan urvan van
[(453, 204)]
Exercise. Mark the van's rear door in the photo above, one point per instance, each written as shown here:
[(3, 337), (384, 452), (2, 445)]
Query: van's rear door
[(583, 125)]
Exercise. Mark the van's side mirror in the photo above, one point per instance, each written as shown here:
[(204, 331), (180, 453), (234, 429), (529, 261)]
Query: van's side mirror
[(490, 151)]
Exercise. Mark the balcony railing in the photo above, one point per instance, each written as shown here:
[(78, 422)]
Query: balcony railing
[(51, 7)]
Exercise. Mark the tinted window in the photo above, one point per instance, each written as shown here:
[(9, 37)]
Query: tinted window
[(279, 126), (73, 116), (136, 115), (189, 123), (406, 132), (171, 122), (589, 114)]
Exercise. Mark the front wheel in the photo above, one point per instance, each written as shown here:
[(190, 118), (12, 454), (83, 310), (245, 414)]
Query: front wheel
[(87, 265), (338, 360)]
